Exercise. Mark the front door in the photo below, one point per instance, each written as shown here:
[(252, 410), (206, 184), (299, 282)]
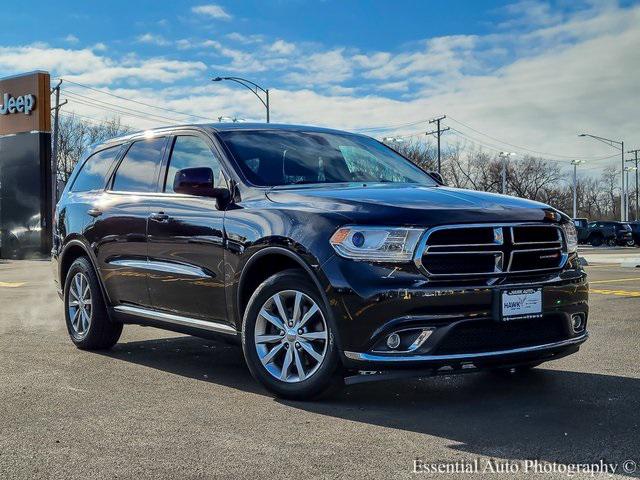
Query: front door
[(185, 235)]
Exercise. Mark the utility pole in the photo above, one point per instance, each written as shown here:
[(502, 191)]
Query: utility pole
[(438, 132), (575, 164), (635, 152), (54, 152), (504, 156), (623, 201)]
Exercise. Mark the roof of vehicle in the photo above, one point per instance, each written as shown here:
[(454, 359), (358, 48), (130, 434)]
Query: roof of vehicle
[(223, 127)]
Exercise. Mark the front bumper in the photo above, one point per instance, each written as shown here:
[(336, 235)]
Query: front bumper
[(369, 302), (478, 360)]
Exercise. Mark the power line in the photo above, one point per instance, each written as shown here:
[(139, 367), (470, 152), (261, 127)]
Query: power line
[(137, 101), (525, 148), (119, 111), (93, 120), (137, 112)]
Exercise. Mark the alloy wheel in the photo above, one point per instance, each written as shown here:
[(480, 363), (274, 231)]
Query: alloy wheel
[(291, 336), (79, 304)]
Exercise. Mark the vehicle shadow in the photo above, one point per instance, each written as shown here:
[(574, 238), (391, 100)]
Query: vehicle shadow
[(550, 415)]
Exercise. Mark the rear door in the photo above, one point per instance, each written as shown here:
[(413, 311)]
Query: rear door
[(121, 223), (186, 237)]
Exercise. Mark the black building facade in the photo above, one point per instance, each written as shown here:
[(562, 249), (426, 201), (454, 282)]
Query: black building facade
[(25, 166)]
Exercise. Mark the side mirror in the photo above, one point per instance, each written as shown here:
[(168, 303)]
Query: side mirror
[(437, 177), (198, 182)]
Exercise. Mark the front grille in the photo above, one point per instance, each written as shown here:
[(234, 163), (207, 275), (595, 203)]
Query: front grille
[(491, 250), (480, 336)]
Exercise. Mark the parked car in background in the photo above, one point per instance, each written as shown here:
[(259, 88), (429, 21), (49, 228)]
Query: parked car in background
[(22, 241), (581, 225), (607, 233), (635, 231)]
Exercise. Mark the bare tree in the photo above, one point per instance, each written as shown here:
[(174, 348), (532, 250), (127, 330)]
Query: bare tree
[(77, 135)]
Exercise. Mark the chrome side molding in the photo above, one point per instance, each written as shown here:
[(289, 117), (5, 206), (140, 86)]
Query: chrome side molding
[(158, 266), (176, 319)]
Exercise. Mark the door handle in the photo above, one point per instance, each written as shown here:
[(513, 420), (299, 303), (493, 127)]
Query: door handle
[(159, 217), (94, 212)]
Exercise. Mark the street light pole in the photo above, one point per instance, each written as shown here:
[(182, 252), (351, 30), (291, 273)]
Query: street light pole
[(635, 152), (612, 143), (575, 164), (254, 87)]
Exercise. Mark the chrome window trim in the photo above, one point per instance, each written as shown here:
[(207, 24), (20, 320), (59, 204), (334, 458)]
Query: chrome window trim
[(423, 248), (372, 357), (176, 319)]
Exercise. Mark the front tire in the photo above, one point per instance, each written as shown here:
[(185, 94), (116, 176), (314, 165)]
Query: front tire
[(86, 315), (287, 337)]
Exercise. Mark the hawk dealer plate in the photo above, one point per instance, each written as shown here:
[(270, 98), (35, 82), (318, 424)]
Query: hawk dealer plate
[(515, 304)]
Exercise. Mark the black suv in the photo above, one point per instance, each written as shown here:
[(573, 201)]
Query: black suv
[(331, 257), (606, 233)]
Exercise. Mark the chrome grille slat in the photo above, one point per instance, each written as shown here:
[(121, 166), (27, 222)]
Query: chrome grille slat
[(514, 247)]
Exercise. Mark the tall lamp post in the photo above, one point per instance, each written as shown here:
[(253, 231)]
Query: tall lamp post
[(504, 156), (627, 170), (575, 164), (635, 152), (254, 87), (613, 143)]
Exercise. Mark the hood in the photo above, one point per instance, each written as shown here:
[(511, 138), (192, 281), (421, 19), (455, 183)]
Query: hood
[(411, 204)]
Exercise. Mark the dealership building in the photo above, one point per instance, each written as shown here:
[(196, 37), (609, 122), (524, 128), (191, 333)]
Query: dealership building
[(25, 165)]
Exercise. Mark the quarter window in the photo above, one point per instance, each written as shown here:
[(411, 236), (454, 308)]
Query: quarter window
[(139, 168), (191, 152), (93, 175)]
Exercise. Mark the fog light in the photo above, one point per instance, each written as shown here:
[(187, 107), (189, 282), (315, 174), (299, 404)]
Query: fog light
[(577, 322), (393, 341)]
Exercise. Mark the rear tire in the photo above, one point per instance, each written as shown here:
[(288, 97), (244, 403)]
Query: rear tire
[(88, 323), (596, 241), (296, 358)]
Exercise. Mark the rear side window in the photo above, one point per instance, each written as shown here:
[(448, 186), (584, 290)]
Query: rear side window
[(93, 175), (191, 152), (139, 168)]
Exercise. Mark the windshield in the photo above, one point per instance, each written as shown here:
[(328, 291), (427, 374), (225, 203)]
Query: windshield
[(278, 157)]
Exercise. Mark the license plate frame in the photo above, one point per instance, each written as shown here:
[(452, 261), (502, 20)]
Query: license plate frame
[(519, 303)]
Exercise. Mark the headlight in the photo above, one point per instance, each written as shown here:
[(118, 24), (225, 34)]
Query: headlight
[(571, 236), (376, 244)]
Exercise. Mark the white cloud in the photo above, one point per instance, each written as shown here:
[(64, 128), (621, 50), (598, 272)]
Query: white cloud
[(321, 68), (212, 10), (282, 48), (87, 66), (245, 39), (152, 39), (71, 39)]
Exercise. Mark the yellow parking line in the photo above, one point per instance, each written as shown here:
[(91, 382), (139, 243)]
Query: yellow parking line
[(11, 284), (618, 293), (615, 280)]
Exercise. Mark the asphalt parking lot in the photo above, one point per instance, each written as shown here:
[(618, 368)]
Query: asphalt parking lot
[(161, 405)]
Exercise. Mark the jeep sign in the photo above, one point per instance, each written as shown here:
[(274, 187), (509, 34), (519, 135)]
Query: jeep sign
[(22, 104)]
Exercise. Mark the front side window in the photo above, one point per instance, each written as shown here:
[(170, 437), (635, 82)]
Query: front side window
[(93, 175), (277, 157), (139, 168), (191, 152)]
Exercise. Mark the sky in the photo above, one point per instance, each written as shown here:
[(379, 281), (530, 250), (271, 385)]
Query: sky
[(523, 76)]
